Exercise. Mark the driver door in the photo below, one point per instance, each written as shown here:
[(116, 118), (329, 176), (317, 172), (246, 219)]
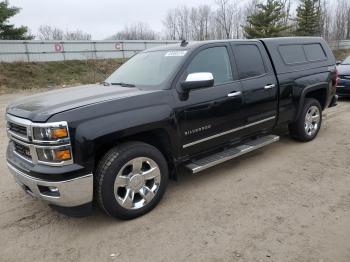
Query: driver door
[(208, 117)]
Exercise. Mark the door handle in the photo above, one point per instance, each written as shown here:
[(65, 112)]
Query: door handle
[(269, 86), (234, 94)]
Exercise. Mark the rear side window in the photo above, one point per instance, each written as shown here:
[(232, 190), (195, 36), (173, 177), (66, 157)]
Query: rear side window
[(296, 54), (293, 54), (314, 52), (213, 60), (249, 61)]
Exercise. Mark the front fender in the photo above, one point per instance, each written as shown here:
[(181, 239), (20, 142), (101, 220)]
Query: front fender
[(110, 128)]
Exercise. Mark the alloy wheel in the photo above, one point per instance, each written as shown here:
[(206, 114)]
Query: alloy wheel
[(137, 183), (312, 120)]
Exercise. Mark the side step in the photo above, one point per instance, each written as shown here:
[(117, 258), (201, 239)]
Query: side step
[(201, 164)]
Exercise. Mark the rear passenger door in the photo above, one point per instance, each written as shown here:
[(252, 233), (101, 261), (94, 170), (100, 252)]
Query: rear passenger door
[(259, 86)]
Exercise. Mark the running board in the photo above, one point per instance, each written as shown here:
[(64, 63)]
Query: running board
[(201, 164)]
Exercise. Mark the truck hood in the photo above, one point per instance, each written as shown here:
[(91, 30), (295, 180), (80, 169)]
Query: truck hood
[(40, 107)]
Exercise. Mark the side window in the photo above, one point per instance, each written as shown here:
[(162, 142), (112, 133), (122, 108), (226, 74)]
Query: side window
[(296, 54), (249, 61), (292, 54), (213, 60), (314, 52)]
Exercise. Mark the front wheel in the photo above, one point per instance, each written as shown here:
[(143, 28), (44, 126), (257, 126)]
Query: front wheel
[(308, 124), (131, 180)]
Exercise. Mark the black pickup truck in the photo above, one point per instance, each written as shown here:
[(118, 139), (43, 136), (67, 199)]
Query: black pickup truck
[(184, 106)]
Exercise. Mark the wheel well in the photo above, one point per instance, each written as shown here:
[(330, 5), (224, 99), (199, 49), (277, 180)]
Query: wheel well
[(320, 95), (157, 138)]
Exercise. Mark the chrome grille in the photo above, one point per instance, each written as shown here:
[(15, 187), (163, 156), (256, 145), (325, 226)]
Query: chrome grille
[(17, 129), (22, 150)]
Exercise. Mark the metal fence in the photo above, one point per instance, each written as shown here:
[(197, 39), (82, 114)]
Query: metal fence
[(340, 44), (40, 51)]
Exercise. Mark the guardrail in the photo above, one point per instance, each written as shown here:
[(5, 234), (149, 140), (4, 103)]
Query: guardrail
[(43, 51), (341, 44), (40, 51)]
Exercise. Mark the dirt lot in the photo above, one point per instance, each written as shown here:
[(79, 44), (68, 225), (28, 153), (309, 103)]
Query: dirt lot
[(287, 202)]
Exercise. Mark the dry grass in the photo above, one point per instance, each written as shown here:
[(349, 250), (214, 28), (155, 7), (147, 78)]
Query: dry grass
[(20, 75), (341, 54)]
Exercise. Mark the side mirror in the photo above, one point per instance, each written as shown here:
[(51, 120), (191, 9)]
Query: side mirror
[(197, 81), (339, 62)]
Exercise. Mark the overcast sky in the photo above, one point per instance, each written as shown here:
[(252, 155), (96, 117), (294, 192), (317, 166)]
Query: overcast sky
[(100, 18)]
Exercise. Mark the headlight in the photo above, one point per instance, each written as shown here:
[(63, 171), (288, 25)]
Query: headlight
[(52, 143), (50, 133), (55, 155)]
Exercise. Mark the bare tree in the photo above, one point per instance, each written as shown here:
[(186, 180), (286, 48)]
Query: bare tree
[(340, 21), (190, 24), (139, 31), (202, 23), (204, 14), (237, 20), (183, 22), (170, 24), (348, 21), (77, 35), (47, 32), (199, 22), (326, 20), (224, 16)]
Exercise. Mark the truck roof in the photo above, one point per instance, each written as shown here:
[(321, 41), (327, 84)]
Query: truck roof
[(195, 44)]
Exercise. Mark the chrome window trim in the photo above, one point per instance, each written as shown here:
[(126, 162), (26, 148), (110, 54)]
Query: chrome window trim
[(33, 144), (228, 132)]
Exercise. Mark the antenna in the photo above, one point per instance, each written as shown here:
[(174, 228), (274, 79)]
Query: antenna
[(184, 43)]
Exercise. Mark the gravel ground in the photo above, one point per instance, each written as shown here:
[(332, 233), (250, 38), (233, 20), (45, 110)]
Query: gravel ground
[(287, 202)]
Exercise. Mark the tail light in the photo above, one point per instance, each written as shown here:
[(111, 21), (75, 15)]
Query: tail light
[(335, 78)]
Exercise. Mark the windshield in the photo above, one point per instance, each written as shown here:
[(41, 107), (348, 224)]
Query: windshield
[(346, 61), (147, 69)]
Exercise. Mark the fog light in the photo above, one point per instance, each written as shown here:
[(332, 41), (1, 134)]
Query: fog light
[(53, 189), (50, 191)]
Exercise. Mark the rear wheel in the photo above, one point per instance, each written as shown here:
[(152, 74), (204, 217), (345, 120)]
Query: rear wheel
[(309, 122), (131, 180)]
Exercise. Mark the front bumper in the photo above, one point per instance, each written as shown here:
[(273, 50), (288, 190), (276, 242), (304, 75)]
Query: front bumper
[(67, 193)]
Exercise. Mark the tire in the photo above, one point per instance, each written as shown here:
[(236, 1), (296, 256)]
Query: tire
[(130, 180), (308, 124)]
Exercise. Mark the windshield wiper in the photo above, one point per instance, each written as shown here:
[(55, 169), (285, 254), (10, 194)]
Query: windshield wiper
[(123, 84)]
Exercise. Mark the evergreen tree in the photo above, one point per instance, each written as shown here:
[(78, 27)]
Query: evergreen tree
[(8, 31), (269, 20), (308, 18)]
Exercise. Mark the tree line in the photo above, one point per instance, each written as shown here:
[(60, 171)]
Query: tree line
[(225, 19), (260, 18)]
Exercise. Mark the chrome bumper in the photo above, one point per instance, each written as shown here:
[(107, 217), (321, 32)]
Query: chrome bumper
[(67, 193)]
